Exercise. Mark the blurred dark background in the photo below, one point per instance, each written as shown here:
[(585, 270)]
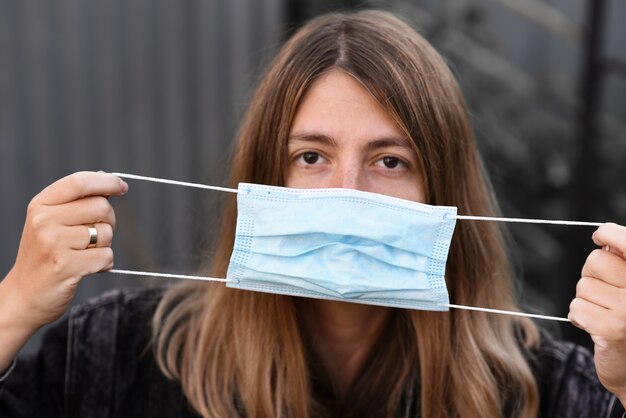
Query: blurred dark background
[(157, 87)]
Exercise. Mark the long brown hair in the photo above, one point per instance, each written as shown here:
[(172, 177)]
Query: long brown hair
[(244, 353)]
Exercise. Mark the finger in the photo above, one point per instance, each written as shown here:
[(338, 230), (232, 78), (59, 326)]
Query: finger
[(88, 210), (600, 293), (602, 324), (613, 236), (76, 264), (81, 184), (607, 267), (586, 315), (94, 260), (78, 236)]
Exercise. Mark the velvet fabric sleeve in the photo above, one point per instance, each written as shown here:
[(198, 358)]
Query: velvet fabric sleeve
[(34, 387), (97, 363), (568, 384)]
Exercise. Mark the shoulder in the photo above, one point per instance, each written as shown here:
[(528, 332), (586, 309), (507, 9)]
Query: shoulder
[(118, 317), (96, 362), (563, 358), (132, 301), (109, 346), (117, 320), (568, 383)]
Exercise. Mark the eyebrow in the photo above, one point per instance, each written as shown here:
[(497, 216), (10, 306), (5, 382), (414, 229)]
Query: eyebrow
[(313, 137), (371, 145), (389, 142)]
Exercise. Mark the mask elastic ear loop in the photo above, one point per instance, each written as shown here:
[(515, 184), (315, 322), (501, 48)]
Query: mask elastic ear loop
[(525, 220), (459, 217), (222, 280), (503, 312), (177, 183), (168, 275)]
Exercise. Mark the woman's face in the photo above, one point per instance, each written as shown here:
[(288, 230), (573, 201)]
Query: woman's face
[(341, 137)]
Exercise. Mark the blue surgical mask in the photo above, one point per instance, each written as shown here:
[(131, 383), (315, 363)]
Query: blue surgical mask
[(373, 249), (341, 244)]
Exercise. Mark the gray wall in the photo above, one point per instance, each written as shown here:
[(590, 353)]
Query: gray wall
[(156, 87), (152, 87)]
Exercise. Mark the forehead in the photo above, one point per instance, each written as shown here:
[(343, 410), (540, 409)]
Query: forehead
[(337, 105)]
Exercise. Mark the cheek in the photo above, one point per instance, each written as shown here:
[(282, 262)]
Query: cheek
[(417, 193), (414, 194), (416, 190), (407, 189), (297, 180)]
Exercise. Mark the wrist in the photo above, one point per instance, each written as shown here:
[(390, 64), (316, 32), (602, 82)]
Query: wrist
[(15, 327), (16, 309), (15, 315)]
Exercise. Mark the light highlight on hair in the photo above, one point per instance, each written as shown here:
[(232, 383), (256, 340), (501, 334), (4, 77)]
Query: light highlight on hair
[(237, 352)]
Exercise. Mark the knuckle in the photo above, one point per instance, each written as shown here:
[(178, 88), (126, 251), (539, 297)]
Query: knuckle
[(48, 240), (33, 206), (108, 257), (38, 218), (582, 286), (107, 230), (594, 260), (105, 255), (574, 306), (576, 315), (78, 181), (110, 265), (594, 257), (103, 208)]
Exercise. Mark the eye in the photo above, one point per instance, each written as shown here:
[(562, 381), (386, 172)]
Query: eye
[(391, 162), (310, 157)]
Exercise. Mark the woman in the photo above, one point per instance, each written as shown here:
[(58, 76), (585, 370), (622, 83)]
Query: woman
[(354, 101)]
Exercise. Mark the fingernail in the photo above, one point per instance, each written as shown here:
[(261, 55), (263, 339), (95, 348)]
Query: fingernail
[(124, 186)]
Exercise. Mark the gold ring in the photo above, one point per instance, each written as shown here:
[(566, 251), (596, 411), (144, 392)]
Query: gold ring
[(93, 236)]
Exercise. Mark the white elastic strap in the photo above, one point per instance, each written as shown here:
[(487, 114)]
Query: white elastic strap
[(503, 312), (177, 183), (168, 275), (449, 305), (526, 221), (460, 217)]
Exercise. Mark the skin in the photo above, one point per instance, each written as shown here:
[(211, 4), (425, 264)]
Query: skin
[(52, 257), (337, 141), (600, 306), (340, 138)]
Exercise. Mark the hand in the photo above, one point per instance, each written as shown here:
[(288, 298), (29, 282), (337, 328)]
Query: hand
[(53, 256), (600, 306)]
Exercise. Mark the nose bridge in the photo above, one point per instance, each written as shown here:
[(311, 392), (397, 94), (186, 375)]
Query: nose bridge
[(349, 173)]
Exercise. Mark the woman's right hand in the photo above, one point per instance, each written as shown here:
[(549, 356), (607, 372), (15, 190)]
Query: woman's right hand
[(53, 256)]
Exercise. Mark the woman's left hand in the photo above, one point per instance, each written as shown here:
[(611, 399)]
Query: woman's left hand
[(600, 306)]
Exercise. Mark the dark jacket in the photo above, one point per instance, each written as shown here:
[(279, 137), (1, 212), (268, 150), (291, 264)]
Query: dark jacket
[(98, 363)]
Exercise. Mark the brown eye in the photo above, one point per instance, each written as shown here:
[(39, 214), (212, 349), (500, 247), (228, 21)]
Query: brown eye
[(310, 157), (391, 162)]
